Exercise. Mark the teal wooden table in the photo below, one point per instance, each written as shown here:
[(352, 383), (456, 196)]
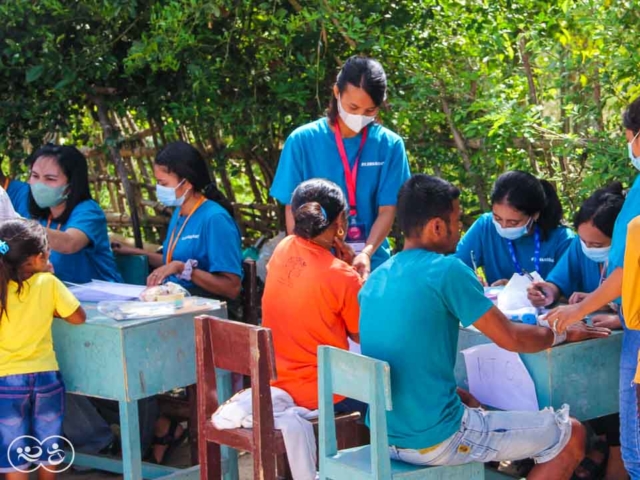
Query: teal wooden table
[(126, 361), (583, 375)]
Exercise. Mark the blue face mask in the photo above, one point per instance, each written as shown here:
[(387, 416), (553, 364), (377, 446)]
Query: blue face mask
[(598, 255), (167, 195), (46, 196), (634, 160), (512, 233)]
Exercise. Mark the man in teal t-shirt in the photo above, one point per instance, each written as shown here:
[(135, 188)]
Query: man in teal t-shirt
[(411, 309)]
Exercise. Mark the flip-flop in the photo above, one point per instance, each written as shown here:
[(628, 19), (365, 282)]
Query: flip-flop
[(169, 440), (594, 470)]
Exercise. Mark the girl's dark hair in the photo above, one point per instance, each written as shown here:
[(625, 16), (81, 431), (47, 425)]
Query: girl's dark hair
[(602, 208), (361, 72), (631, 116), (21, 239), (307, 204), (74, 165), (188, 164), (529, 195)]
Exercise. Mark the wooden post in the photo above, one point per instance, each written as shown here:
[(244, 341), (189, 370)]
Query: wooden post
[(114, 152)]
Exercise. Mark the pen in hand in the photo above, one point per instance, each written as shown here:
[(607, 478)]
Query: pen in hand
[(530, 277)]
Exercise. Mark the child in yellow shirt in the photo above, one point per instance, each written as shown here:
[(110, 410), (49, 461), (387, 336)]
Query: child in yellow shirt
[(31, 388)]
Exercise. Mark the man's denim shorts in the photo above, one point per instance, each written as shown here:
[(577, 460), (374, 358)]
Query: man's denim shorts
[(489, 436), (31, 405)]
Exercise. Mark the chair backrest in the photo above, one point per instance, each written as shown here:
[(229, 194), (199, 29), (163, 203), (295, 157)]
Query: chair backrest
[(361, 378), (250, 297), (134, 269), (239, 348)]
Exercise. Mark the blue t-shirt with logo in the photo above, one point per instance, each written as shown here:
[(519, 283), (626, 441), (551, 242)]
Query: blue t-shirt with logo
[(19, 195), (211, 237), (93, 262), (575, 272), (311, 152), (491, 251), (410, 311)]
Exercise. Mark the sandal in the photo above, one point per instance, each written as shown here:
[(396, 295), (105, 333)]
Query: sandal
[(169, 440), (592, 469)]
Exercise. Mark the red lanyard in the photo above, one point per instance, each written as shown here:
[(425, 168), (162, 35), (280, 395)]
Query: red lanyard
[(350, 175), (173, 240)]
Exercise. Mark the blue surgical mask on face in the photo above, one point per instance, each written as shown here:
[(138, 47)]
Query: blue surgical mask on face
[(634, 160), (167, 195), (598, 255), (512, 233), (46, 196)]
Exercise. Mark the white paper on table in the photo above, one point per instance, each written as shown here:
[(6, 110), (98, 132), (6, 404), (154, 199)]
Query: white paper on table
[(514, 295), (354, 347), (99, 291), (499, 379)]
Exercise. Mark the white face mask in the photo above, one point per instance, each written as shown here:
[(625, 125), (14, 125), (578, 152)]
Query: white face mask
[(598, 255), (512, 233), (634, 160), (354, 122)]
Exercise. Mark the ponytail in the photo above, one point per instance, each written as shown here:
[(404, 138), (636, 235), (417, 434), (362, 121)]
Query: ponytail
[(551, 215), (212, 192), (310, 220), (5, 276)]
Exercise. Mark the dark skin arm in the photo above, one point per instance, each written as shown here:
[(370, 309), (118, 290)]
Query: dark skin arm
[(521, 338), (223, 284), (76, 318)]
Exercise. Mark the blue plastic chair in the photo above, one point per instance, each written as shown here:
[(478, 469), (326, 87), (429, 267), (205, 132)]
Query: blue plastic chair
[(134, 269), (365, 379)]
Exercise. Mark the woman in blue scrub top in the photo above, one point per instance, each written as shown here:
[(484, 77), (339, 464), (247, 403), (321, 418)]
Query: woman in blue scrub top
[(349, 148), (202, 251), (611, 289), (583, 267), (76, 225), (522, 233)]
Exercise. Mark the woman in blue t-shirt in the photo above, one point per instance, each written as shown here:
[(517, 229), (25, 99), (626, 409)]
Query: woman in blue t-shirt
[(583, 267), (76, 225), (522, 233), (202, 251), (351, 149), (611, 289)]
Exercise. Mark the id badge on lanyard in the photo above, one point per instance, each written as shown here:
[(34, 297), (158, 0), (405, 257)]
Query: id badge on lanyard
[(536, 254), (356, 231)]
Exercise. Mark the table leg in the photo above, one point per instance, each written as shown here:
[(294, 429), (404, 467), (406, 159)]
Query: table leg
[(130, 434), (225, 392)]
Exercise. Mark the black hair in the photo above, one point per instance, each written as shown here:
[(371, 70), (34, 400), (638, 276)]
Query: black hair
[(529, 195), (187, 163), (21, 239), (316, 204), (602, 208), (423, 198), (74, 165), (361, 72), (631, 116)]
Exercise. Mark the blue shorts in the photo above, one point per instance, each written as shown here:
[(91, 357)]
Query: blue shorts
[(494, 436), (30, 405)]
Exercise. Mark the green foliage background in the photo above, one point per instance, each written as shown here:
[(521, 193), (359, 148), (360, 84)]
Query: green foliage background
[(476, 87)]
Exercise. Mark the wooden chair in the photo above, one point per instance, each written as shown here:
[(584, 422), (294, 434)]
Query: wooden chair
[(247, 350), (367, 380), (184, 407)]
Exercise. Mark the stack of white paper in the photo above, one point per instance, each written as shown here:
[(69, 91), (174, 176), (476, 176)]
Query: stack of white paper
[(98, 291)]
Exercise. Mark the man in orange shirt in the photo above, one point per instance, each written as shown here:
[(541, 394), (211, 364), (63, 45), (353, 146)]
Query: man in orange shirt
[(311, 296)]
